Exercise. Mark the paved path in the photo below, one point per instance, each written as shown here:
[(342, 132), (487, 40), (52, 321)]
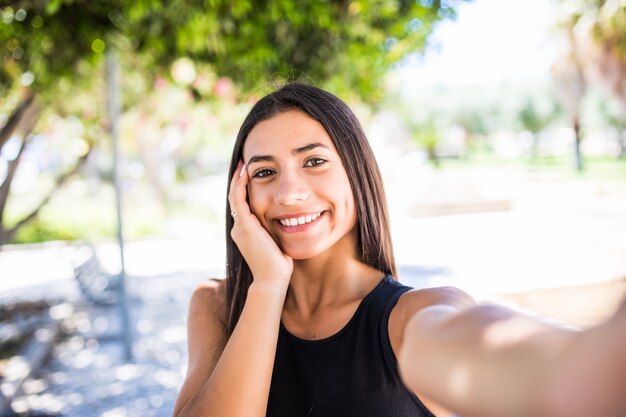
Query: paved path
[(87, 374)]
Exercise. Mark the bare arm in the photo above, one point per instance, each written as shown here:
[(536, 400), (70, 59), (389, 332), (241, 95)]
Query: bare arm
[(206, 338), (233, 378), (482, 360), (489, 361)]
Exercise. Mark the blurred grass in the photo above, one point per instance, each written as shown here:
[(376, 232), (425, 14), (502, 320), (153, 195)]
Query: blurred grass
[(596, 168), (72, 215)]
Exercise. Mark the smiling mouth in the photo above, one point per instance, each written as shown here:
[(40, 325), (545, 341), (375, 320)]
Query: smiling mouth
[(300, 220)]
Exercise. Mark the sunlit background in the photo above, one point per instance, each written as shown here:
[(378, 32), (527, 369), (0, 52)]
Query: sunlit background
[(499, 126)]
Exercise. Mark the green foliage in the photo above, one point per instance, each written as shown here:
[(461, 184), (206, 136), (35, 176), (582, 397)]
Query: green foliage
[(55, 48), (47, 41), (427, 133), (346, 46), (535, 115), (41, 231), (473, 121), (609, 25), (71, 215), (613, 114), (604, 22)]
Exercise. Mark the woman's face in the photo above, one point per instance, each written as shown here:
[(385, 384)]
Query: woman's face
[(298, 189)]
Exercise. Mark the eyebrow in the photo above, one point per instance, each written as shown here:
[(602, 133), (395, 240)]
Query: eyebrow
[(303, 149)]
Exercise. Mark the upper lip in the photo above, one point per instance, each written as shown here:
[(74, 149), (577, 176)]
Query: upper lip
[(296, 215)]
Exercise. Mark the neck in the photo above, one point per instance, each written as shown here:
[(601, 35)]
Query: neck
[(332, 278)]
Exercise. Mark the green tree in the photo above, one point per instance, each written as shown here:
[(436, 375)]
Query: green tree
[(571, 83), (603, 24), (534, 118), (53, 50), (427, 133), (615, 117), (597, 34), (475, 124), (345, 44)]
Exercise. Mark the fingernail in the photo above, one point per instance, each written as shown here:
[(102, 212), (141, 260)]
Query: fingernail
[(243, 169)]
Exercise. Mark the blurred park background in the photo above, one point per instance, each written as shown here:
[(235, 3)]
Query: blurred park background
[(499, 126)]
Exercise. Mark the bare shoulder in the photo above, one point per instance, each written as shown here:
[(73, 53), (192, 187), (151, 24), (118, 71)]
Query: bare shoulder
[(209, 297), (213, 288), (413, 301), (206, 336), (206, 322)]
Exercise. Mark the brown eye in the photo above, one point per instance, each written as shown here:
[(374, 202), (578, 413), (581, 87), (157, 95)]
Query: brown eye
[(262, 173), (313, 162)]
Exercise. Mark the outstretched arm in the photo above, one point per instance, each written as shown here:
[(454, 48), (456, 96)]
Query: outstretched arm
[(488, 361)]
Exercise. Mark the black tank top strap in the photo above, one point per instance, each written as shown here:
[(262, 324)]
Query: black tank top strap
[(388, 354), (397, 291)]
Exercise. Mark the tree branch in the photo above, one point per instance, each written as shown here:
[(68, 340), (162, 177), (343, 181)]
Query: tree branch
[(15, 119), (12, 168), (8, 234)]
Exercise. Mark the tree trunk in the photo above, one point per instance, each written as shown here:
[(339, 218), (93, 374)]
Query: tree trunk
[(432, 156), (24, 117), (579, 159), (16, 117), (5, 235), (8, 180), (534, 152)]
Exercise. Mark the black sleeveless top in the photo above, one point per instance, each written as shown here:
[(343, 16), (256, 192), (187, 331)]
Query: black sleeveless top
[(353, 373)]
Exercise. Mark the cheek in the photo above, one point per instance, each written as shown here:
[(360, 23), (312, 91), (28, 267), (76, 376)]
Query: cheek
[(348, 200), (253, 199), (257, 203), (351, 210)]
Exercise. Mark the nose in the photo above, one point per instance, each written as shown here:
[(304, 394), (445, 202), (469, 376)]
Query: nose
[(291, 189)]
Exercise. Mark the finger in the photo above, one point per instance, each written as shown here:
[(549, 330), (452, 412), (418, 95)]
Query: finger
[(238, 191)]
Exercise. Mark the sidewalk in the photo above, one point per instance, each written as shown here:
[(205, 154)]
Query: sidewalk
[(87, 374)]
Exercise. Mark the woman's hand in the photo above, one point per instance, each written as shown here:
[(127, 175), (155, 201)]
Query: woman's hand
[(269, 265)]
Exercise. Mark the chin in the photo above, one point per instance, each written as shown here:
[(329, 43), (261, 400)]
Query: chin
[(302, 253)]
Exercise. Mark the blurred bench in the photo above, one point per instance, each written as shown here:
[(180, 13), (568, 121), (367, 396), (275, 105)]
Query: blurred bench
[(97, 285)]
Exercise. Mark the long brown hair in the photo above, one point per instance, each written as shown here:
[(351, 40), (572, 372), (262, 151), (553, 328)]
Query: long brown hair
[(372, 228)]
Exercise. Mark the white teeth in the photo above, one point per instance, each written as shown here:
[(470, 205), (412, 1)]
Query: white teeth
[(299, 220)]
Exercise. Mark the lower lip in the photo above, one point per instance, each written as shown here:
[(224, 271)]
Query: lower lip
[(300, 227)]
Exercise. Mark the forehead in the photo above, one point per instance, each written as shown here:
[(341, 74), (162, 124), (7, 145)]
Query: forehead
[(284, 132)]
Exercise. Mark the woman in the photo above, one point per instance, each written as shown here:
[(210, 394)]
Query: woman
[(311, 322)]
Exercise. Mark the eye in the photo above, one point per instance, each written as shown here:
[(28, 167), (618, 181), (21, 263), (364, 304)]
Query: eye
[(315, 161), (263, 173)]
